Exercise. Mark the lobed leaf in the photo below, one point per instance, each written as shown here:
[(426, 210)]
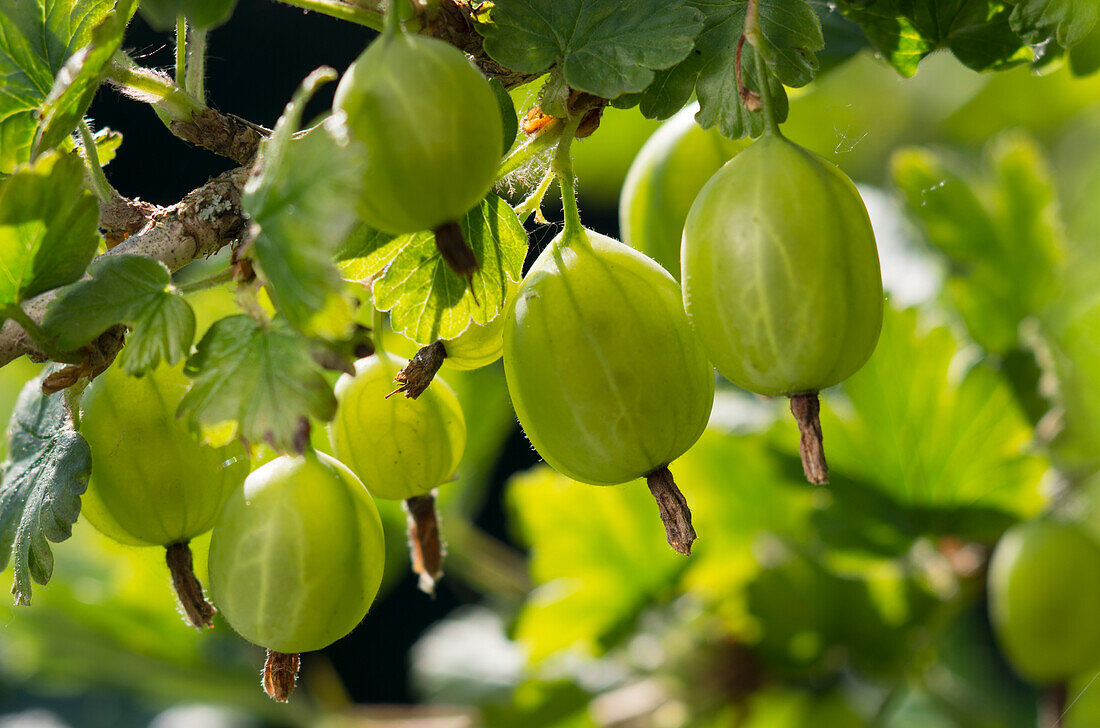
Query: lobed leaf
[(792, 33), (48, 227), (599, 556), (131, 290), (602, 47), (953, 451), (1067, 21), (875, 618), (1000, 234), (425, 298), (107, 143), (263, 377), (976, 31), (40, 484), (303, 202), (36, 37), (1084, 57), (78, 80)]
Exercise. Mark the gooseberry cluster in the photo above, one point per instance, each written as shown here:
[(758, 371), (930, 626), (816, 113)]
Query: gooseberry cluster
[(607, 359)]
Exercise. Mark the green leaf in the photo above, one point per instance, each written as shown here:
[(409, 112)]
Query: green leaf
[(538, 704), (866, 616), (425, 298), (507, 112), (202, 14), (951, 447), (1072, 329), (1084, 58), (1067, 21), (261, 376), (131, 290), (1002, 235), (721, 477), (792, 32), (40, 484), (48, 227), (603, 47), (598, 556), (107, 143), (304, 203), (976, 31), (37, 37), (76, 84)]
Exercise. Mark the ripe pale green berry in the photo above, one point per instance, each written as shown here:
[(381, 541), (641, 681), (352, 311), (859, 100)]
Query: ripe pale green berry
[(1044, 599), (605, 374), (431, 127), (400, 448), (664, 180), (152, 482), (478, 346), (296, 557), (780, 271)]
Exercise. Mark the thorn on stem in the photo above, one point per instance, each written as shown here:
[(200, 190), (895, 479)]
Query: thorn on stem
[(806, 409), (674, 510), (425, 541), (280, 674), (199, 612)]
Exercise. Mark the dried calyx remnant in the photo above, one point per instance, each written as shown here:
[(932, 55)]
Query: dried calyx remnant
[(674, 510), (425, 540), (199, 612), (455, 251), (806, 410), (421, 369), (280, 674)]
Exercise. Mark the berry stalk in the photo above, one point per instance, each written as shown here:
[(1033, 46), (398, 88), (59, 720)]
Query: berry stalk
[(199, 612)]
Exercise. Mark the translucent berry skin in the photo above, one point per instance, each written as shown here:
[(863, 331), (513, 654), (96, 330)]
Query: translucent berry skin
[(664, 180), (480, 344), (398, 447), (153, 482), (431, 127), (297, 555), (605, 374), (1044, 600), (780, 271)]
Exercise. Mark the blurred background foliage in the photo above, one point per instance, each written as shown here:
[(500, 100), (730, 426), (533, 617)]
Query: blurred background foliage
[(857, 604)]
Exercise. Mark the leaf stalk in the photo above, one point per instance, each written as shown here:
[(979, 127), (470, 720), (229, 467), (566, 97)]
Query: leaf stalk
[(352, 13), (755, 37), (100, 186)]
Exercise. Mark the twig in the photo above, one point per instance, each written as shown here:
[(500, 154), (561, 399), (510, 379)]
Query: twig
[(197, 226), (454, 23), (186, 117)]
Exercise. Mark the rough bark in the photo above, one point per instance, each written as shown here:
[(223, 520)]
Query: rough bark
[(197, 226)]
